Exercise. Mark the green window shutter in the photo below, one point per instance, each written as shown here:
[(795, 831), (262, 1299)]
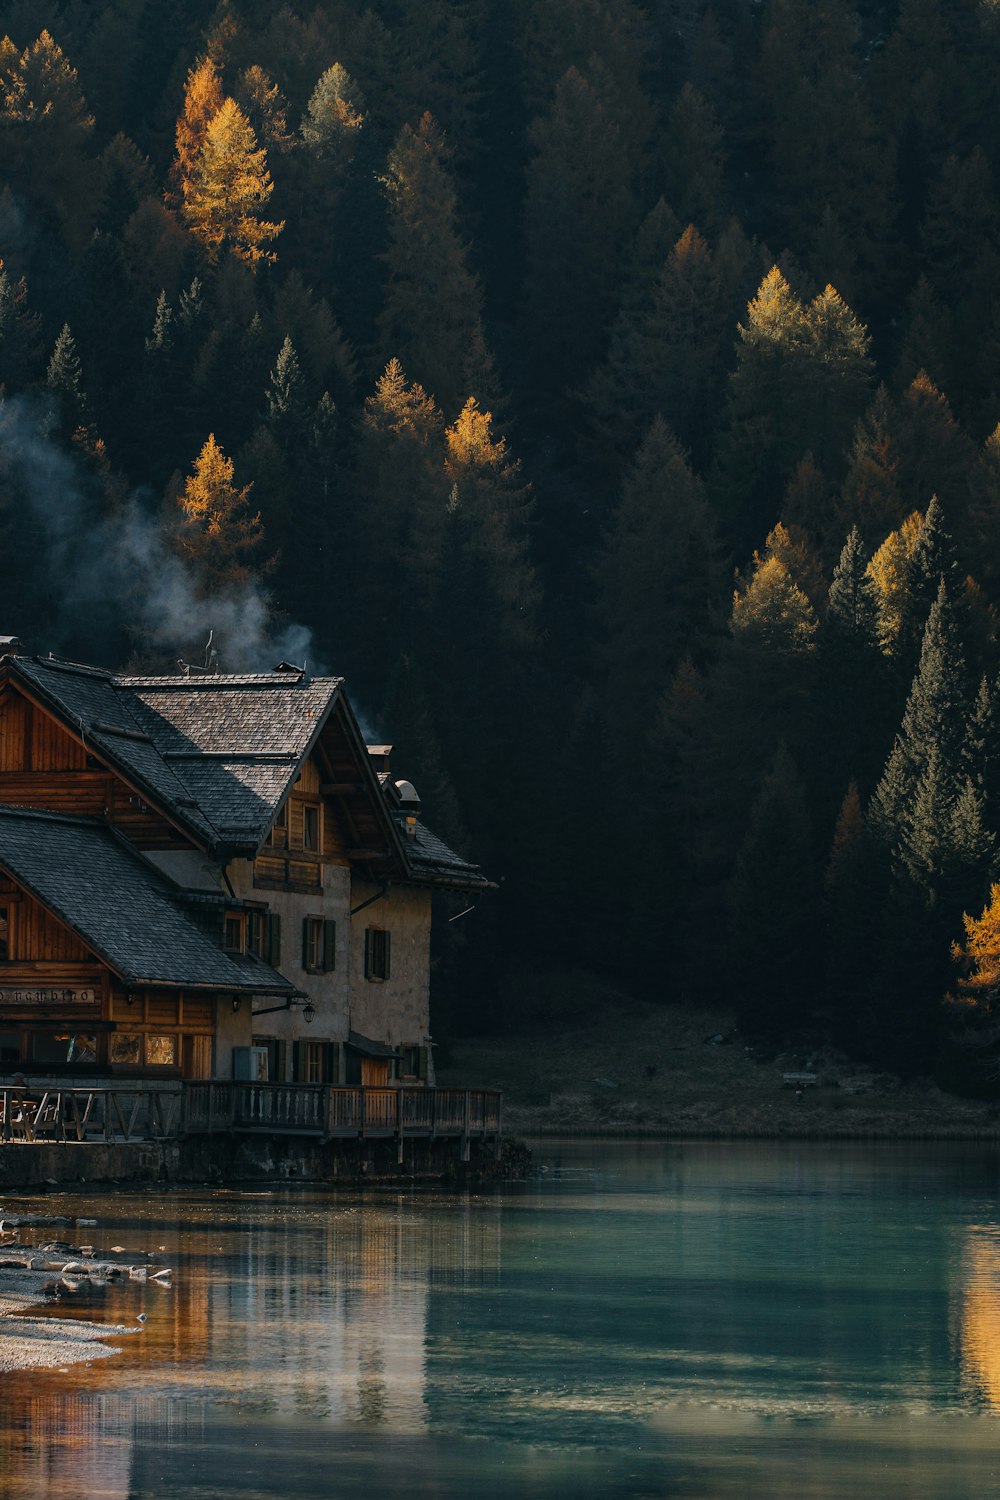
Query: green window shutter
[(305, 942), (280, 1054), (274, 939), (301, 1062), (421, 1062), (329, 946), (333, 1063)]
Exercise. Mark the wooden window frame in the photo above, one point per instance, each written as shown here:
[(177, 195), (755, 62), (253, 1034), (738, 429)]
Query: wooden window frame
[(319, 944), (237, 920), (378, 954)]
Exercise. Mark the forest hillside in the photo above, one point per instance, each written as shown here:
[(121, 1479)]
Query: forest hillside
[(610, 391)]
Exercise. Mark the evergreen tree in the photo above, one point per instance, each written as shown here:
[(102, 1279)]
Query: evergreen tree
[(694, 161), (45, 134), (64, 379), (579, 219), (20, 333), (659, 583), (432, 314), (333, 118), (854, 889)]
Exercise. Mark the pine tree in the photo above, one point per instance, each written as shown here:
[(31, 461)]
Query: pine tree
[(286, 396), (694, 159), (432, 313), (872, 497), (64, 379), (334, 116), (488, 487), (579, 220), (228, 188), (45, 134), (20, 333), (216, 530), (659, 582)]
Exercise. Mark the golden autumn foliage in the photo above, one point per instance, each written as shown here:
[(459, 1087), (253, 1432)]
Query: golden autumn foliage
[(228, 188), (216, 530), (203, 98), (889, 571), (979, 955), (772, 611)]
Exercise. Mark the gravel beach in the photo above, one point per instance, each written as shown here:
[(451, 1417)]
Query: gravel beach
[(27, 1342)]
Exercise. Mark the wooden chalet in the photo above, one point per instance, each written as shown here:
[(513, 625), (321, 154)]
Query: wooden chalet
[(209, 876)]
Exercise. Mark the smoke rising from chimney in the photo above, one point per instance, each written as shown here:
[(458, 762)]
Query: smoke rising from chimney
[(112, 577)]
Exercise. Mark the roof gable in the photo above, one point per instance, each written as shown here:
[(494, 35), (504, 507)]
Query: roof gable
[(128, 914)]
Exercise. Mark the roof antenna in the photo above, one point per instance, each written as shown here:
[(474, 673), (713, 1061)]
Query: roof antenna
[(211, 654)]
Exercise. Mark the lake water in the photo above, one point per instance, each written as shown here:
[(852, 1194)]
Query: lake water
[(642, 1320)]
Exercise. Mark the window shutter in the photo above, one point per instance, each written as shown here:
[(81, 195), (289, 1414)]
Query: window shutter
[(387, 967), (333, 1063), (301, 1062), (368, 952), (422, 1062), (280, 1054), (329, 946), (305, 942), (274, 939)]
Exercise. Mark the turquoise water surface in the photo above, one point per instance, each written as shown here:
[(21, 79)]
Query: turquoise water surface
[(640, 1320)]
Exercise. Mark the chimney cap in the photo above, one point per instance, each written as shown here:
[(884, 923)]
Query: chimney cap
[(10, 645)]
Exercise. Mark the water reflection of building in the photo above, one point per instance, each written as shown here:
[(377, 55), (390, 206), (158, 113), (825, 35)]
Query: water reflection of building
[(978, 1318)]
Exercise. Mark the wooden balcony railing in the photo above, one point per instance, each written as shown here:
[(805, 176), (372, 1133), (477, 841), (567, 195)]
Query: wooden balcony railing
[(324, 1113)]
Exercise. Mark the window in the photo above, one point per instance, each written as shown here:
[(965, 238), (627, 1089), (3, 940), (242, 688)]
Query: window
[(310, 827), (413, 1062), (63, 1048), (234, 939), (257, 933), (10, 1049), (125, 1048), (376, 953), (315, 1062), (319, 945), (161, 1051)]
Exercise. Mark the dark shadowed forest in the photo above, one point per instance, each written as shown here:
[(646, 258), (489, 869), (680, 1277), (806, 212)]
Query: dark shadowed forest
[(610, 391)]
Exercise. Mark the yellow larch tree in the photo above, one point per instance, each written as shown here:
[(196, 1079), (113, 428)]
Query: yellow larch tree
[(203, 99), (228, 188), (216, 530), (979, 955)]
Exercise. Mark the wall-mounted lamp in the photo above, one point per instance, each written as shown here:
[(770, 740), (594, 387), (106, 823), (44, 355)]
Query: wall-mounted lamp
[(129, 999), (308, 1012), (237, 1002)]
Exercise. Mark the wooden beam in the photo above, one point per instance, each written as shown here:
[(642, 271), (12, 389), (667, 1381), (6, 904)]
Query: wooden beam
[(340, 788), (368, 853)]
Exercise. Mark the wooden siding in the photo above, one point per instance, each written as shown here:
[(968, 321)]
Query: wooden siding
[(33, 741), (141, 824), (36, 937)]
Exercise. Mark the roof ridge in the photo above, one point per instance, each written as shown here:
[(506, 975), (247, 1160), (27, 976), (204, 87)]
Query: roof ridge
[(74, 668)]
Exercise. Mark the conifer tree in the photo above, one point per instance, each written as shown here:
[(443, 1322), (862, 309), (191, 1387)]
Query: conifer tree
[(228, 189), (64, 379), (216, 530), (266, 107), (579, 219), (891, 574), (659, 582), (286, 397), (432, 313), (203, 98), (979, 956), (45, 133), (20, 333), (334, 116), (872, 497), (772, 611), (694, 160), (488, 487)]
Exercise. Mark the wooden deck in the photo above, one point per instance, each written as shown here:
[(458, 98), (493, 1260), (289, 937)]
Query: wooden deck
[(187, 1109)]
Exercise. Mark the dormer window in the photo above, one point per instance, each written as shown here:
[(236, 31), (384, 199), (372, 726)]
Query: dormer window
[(234, 938)]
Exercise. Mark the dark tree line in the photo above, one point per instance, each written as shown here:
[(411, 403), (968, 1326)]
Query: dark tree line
[(612, 389)]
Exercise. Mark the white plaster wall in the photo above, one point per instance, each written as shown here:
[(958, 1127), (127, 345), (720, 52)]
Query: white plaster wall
[(328, 992), (395, 1010)]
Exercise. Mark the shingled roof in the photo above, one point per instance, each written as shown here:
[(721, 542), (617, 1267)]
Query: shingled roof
[(432, 862), (217, 753), (129, 916)]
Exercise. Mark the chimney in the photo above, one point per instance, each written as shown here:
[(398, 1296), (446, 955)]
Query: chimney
[(379, 756), (10, 645), (409, 803)]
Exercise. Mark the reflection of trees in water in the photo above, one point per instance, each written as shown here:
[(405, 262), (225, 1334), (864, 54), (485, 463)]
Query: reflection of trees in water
[(979, 1313)]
